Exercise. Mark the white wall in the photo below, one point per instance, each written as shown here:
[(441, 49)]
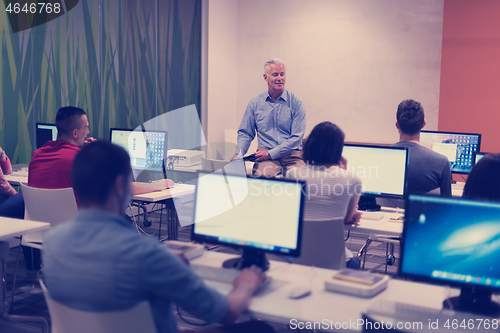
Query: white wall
[(222, 68), (352, 62)]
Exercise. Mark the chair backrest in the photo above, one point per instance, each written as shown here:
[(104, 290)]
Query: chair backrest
[(323, 244), (67, 320), (54, 206)]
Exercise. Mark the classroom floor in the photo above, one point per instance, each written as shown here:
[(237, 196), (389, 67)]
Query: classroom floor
[(32, 303)]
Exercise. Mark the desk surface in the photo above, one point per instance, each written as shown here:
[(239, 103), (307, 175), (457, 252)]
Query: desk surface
[(179, 190), (457, 189), (321, 306), (197, 167), (16, 178), (14, 227), (384, 226)]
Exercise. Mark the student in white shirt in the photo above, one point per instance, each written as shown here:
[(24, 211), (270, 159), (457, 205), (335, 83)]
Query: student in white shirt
[(332, 191)]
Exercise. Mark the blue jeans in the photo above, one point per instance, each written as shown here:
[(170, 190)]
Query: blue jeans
[(12, 206)]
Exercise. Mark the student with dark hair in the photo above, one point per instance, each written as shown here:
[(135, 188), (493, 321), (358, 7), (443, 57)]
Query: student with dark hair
[(50, 166), (332, 191), (99, 262), (427, 170), (483, 182), (324, 145)]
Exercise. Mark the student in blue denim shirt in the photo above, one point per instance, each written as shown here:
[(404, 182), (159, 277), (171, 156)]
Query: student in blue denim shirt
[(99, 262)]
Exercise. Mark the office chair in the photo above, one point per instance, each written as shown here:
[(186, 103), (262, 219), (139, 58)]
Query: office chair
[(54, 206), (323, 244), (67, 320)]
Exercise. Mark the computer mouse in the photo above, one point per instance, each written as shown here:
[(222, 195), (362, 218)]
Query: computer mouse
[(299, 292)]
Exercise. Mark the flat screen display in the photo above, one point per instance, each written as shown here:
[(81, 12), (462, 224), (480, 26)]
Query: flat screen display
[(45, 133), (459, 148), (146, 149), (259, 213), (452, 241), (381, 169), (478, 156)]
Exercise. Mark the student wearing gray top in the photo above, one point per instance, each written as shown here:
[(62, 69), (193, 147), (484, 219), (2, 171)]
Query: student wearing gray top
[(427, 170), (279, 119)]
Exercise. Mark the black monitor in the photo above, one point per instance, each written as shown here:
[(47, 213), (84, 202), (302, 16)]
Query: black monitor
[(147, 149), (256, 215), (456, 242), (478, 156), (382, 170), (458, 147), (45, 133)]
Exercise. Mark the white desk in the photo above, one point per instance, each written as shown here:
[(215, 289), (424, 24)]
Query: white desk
[(14, 227), (179, 206), (11, 228), (274, 305), (384, 226), (16, 178), (179, 191), (457, 189)]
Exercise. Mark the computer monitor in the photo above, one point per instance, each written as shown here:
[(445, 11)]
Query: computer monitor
[(478, 156), (382, 170), (45, 133), (456, 242), (147, 149), (458, 147), (256, 215)]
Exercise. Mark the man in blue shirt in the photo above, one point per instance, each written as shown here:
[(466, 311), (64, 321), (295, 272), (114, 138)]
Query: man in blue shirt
[(279, 119), (99, 262), (427, 170)]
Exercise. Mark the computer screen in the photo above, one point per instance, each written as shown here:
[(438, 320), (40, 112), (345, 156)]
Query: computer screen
[(45, 133), (381, 169), (256, 215), (146, 149), (458, 147), (478, 156), (452, 241)]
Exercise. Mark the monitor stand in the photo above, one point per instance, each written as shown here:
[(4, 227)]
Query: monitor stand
[(368, 203), (248, 258), (475, 301)]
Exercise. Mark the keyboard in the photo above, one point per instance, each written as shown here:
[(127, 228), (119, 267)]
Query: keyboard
[(225, 275), (372, 215), (454, 321), (220, 274)]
